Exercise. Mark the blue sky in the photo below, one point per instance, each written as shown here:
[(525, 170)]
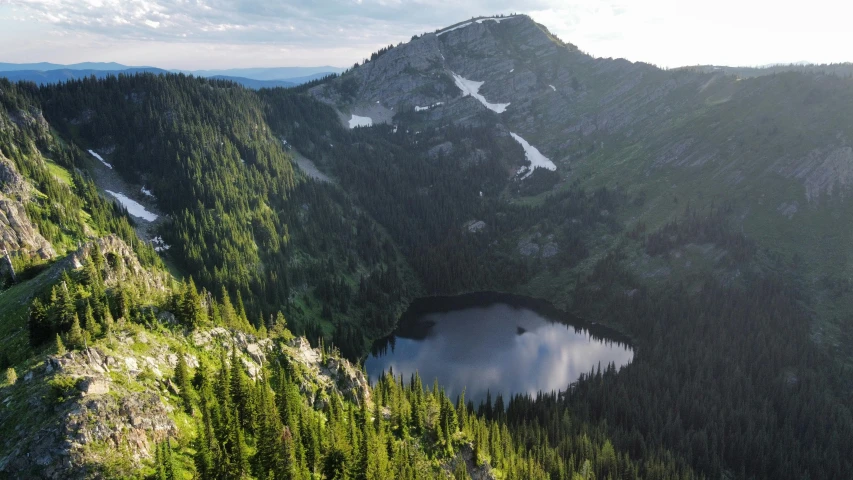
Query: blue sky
[(195, 34)]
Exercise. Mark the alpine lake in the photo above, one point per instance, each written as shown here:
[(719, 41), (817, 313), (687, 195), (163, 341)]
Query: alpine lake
[(495, 343)]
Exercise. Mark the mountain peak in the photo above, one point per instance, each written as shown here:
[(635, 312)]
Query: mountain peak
[(504, 56)]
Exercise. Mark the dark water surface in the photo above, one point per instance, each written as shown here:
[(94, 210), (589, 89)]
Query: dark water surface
[(501, 343)]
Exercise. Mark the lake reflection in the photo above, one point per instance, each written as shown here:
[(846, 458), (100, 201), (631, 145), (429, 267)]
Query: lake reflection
[(490, 342)]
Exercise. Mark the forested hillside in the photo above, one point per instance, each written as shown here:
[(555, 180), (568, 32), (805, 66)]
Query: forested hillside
[(239, 218), (115, 369), (701, 216)]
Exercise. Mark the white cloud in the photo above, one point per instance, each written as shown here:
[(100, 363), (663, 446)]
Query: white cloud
[(729, 32), (664, 32)]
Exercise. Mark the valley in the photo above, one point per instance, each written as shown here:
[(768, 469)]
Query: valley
[(210, 300)]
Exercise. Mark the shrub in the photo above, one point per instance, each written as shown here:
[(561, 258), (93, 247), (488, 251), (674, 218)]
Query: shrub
[(63, 387), (11, 376)]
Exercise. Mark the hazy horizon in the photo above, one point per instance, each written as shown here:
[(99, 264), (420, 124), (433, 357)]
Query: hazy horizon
[(215, 35)]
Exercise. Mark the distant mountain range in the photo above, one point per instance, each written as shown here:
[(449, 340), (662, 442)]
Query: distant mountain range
[(42, 66), (275, 73), (841, 69), (255, 78)]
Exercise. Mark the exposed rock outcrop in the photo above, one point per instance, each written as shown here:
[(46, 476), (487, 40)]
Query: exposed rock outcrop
[(119, 397), (103, 411), (18, 235), (330, 373), (466, 456)]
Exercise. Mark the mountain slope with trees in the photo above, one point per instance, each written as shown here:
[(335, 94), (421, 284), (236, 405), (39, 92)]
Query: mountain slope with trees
[(684, 211)]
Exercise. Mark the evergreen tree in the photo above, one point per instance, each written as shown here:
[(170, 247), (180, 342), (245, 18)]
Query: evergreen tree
[(40, 329), (182, 380), (74, 338), (58, 346), (190, 309)]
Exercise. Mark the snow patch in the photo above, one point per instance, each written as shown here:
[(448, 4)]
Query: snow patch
[(534, 156), (357, 121), (452, 29), (159, 244), (553, 88), (147, 192), (480, 21), (101, 159), (512, 70), (471, 87), (133, 207), (495, 19), (421, 109)]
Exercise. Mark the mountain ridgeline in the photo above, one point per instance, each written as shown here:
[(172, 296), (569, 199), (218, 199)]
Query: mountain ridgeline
[(698, 213)]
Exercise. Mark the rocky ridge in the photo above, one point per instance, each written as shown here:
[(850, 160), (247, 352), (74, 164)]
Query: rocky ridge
[(73, 412), (556, 94)]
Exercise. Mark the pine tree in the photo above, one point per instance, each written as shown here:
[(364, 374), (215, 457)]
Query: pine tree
[(74, 338), (269, 458), (361, 462), (237, 450), (288, 468), (227, 312), (63, 304), (122, 302), (189, 306), (38, 324), (241, 312), (164, 462), (58, 346), (461, 471), (108, 322), (182, 379), (90, 275), (240, 391), (92, 327)]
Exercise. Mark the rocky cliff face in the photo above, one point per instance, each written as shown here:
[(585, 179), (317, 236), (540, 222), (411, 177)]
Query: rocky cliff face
[(18, 235), (122, 264)]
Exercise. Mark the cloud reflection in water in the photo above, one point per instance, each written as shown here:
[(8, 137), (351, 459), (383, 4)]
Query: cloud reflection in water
[(498, 347)]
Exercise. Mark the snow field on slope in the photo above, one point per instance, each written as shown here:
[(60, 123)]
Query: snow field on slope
[(421, 109), (357, 121), (537, 160), (471, 87), (480, 21), (101, 159), (133, 207)]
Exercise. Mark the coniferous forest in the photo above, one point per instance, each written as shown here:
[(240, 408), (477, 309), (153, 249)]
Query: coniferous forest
[(727, 382)]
